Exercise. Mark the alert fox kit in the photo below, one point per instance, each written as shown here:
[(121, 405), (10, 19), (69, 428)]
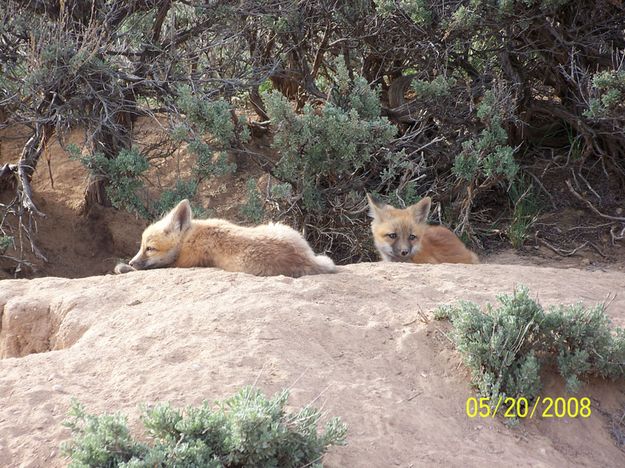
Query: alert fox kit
[(402, 235), (177, 240)]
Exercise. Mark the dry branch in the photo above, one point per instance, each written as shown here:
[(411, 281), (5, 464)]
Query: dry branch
[(590, 205)]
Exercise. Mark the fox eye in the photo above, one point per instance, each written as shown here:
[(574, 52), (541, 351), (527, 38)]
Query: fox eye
[(412, 237), (150, 249), (392, 235)]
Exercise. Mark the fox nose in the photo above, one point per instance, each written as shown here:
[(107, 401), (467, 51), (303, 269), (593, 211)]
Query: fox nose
[(131, 263), (404, 252)]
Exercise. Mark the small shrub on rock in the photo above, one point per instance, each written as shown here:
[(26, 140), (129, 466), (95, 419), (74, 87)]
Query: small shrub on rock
[(507, 345)]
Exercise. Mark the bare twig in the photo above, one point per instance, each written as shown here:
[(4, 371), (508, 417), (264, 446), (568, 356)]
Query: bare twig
[(561, 252), (590, 205), (616, 237)]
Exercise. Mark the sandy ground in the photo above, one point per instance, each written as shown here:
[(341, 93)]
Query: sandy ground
[(353, 343)]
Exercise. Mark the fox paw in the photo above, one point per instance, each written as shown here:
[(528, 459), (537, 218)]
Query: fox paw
[(121, 268)]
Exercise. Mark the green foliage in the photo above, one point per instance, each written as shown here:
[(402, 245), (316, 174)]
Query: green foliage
[(209, 132), (265, 87), (100, 440), (246, 430), (394, 163), (403, 197), (169, 198), (208, 117), (364, 100), (125, 182), (609, 88), (497, 345), (488, 156), (463, 19), (122, 173), (466, 14), (329, 156), (505, 347), (584, 342), (334, 142), (253, 207), (208, 163), (525, 211), (417, 10), (545, 5), (282, 191), (436, 88), (5, 243), (355, 95)]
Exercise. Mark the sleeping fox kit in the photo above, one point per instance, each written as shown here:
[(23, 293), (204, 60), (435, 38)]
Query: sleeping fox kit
[(177, 240), (402, 235)]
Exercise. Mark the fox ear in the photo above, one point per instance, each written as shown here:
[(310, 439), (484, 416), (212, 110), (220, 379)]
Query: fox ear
[(376, 207), (179, 219), (421, 210)]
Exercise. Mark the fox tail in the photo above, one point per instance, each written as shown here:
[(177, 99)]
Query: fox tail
[(324, 264)]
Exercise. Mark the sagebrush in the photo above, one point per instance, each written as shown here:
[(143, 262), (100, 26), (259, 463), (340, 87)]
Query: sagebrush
[(245, 430), (506, 346), (460, 100)]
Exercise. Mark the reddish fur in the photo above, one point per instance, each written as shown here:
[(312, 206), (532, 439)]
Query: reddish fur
[(440, 245), (433, 244)]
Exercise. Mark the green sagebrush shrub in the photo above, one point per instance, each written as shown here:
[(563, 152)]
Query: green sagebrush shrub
[(318, 148), (416, 10), (608, 90), (245, 430), (252, 209), (5, 243), (208, 131), (488, 156), (123, 174), (506, 346)]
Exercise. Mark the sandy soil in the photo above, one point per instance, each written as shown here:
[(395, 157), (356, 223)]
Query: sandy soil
[(353, 343)]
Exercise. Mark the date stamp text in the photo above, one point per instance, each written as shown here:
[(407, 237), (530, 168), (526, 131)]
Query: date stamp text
[(541, 407)]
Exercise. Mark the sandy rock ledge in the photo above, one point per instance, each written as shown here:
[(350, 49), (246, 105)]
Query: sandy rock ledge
[(353, 342)]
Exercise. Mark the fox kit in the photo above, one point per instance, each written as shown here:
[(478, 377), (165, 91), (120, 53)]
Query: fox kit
[(177, 240), (403, 236)]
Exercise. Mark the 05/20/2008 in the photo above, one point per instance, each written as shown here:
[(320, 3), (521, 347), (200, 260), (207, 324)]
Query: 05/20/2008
[(521, 407)]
